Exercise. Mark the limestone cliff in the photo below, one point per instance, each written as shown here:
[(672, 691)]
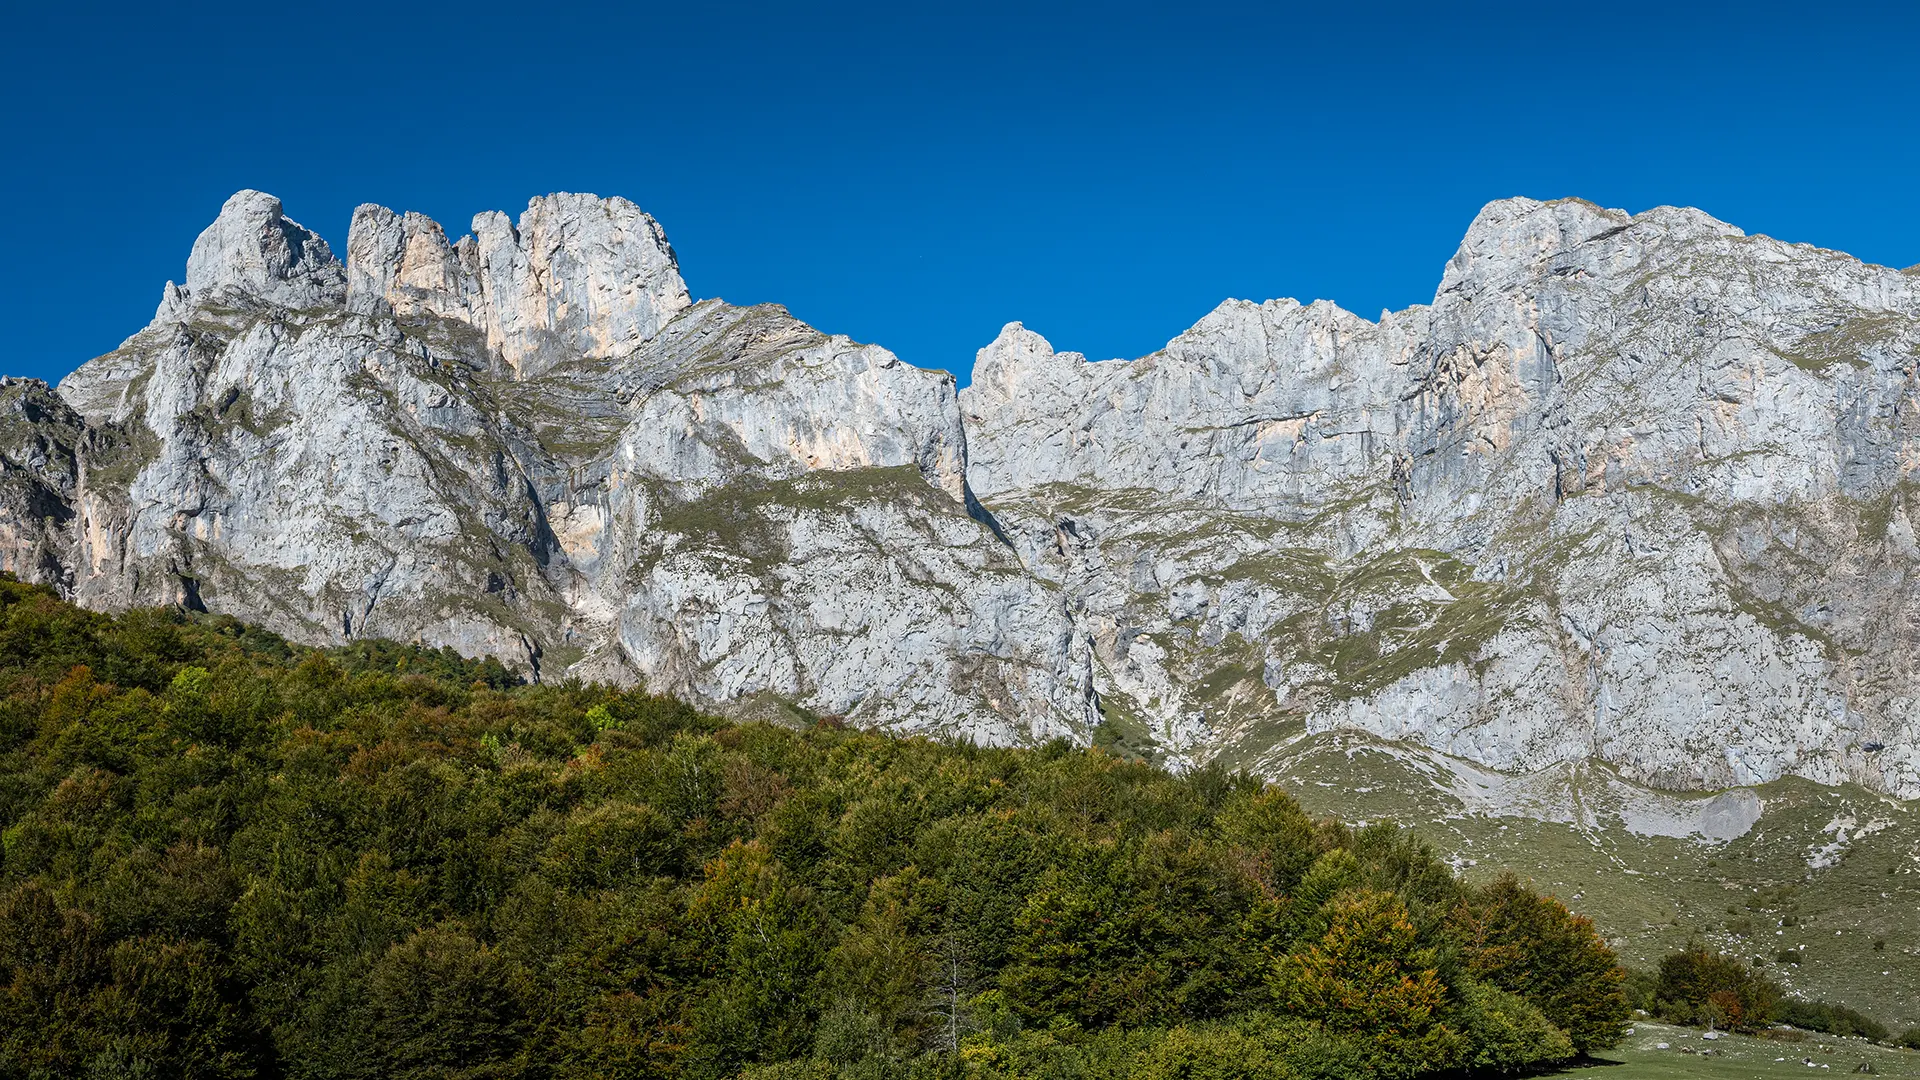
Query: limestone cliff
[(1633, 488)]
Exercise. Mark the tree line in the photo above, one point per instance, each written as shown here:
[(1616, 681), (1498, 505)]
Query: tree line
[(223, 855)]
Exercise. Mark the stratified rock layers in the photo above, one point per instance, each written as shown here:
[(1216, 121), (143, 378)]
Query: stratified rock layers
[(1633, 488)]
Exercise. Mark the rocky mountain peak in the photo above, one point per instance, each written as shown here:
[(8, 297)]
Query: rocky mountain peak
[(577, 277), (255, 250), (580, 276), (402, 264), (1510, 236), (1017, 358)]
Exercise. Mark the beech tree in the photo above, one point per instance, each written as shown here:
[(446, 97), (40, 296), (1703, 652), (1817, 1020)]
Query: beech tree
[(1532, 946), (1367, 979)]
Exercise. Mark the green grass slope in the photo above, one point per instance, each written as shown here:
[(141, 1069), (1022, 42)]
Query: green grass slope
[(1822, 894), (1687, 1056)]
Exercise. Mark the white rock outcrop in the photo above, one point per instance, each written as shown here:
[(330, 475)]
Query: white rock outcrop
[(577, 278), (254, 250)]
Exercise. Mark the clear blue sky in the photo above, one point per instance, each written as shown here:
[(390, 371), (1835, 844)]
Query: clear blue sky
[(916, 175)]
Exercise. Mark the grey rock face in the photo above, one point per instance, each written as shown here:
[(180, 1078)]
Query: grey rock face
[(580, 277), (1633, 488), (254, 250)]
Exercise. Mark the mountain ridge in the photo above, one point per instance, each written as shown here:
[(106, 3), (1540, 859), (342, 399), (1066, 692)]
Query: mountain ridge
[(1633, 488)]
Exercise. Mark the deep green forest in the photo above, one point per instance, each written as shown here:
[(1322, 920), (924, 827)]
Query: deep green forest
[(222, 855)]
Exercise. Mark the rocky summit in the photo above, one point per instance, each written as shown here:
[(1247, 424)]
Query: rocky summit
[(1633, 493)]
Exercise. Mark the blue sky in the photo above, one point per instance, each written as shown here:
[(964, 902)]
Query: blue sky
[(917, 175)]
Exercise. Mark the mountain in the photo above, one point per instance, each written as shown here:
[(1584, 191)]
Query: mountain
[(1632, 494)]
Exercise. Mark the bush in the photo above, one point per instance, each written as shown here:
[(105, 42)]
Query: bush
[(1831, 1019), (1367, 979), (1642, 990), (1508, 1034), (1201, 1053), (1700, 987)]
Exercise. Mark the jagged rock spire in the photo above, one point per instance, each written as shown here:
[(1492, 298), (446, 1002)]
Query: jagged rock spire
[(255, 250), (580, 276)]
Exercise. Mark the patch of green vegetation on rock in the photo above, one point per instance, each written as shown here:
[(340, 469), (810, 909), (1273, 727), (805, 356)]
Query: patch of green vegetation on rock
[(118, 452), (1874, 516), (739, 512), (1846, 342), (768, 707), (1292, 571), (1248, 744), (1781, 621), (1421, 609), (1225, 679), (1360, 496), (555, 411), (1078, 499), (233, 411), (448, 337), (746, 523), (1122, 731)]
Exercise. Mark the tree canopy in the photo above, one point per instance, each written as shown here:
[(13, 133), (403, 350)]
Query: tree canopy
[(222, 855)]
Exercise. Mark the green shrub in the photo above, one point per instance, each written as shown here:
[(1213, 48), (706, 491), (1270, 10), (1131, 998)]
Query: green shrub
[(1641, 989), (1203, 1053), (1369, 980), (1831, 1019), (1701, 987), (1507, 1033)]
